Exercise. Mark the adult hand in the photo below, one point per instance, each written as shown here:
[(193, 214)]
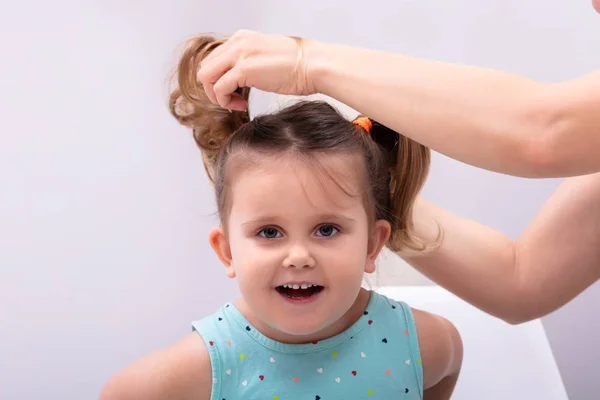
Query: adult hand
[(252, 59)]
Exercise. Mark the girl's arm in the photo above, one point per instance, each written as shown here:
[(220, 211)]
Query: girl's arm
[(555, 259), (441, 354), (182, 371), (487, 118)]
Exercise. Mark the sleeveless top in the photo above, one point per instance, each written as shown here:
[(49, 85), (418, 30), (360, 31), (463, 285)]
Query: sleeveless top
[(377, 357)]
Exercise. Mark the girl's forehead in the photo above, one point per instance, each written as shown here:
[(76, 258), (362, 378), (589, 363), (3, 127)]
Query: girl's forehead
[(332, 182)]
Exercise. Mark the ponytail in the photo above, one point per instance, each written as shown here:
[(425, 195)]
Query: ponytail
[(408, 167), (407, 179), (211, 125)]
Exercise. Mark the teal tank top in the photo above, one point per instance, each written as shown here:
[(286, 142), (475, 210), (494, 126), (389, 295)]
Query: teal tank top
[(377, 357)]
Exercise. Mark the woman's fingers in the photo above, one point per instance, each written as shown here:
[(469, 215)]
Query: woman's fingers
[(237, 103), (249, 59), (217, 63), (211, 72), (224, 89), (216, 52)]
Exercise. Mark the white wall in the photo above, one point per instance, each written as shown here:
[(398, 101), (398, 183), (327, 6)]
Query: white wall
[(105, 207)]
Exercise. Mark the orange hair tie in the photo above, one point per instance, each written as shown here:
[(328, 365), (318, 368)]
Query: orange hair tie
[(364, 123)]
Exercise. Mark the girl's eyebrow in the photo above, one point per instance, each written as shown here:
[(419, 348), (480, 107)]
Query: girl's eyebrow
[(320, 217)]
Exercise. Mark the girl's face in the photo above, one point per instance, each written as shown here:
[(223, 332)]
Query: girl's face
[(596, 4), (299, 242)]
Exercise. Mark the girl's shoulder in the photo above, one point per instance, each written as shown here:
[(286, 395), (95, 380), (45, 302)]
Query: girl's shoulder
[(441, 349), (180, 371), (438, 345)]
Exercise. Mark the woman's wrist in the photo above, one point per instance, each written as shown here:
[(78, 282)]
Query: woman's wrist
[(318, 65)]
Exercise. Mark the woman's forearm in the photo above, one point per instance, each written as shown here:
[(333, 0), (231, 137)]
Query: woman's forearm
[(474, 262), (556, 258), (487, 118)]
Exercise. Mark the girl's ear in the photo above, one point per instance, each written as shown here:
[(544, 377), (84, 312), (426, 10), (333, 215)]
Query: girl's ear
[(379, 236), (219, 243)]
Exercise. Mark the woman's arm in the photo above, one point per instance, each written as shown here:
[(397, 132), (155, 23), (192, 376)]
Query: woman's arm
[(487, 118), (483, 117), (556, 258)]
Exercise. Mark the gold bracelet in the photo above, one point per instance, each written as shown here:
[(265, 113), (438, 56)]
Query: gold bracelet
[(300, 53)]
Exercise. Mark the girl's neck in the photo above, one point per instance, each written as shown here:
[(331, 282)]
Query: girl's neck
[(339, 326)]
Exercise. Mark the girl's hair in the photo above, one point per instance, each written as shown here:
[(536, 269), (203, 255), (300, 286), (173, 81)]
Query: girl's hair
[(395, 167)]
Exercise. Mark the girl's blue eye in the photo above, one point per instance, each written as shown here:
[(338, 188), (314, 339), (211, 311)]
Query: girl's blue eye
[(269, 233), (327, 230)]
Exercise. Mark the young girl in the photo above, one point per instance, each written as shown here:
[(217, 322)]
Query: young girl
[(307, 200)]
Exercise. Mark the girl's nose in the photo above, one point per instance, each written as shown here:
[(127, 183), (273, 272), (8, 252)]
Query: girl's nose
[(299, 257)]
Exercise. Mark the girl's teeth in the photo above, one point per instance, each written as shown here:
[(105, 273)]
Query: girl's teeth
[(296, 286)]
